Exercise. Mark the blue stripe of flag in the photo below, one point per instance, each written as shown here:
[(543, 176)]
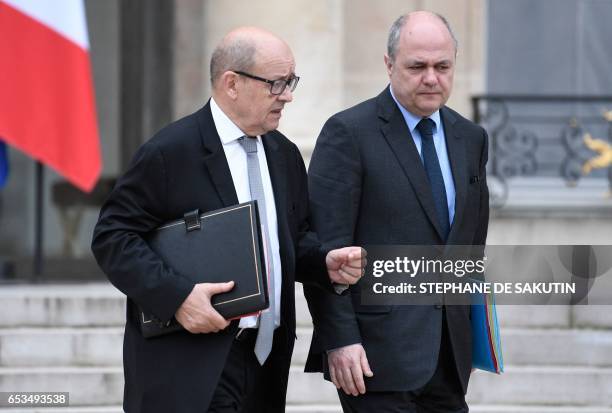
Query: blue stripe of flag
[(4, 166)]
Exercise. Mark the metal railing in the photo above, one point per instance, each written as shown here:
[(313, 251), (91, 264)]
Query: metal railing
[(567, 137)]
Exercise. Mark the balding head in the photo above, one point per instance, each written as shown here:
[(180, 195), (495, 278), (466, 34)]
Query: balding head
[(241, 49), (421, 62), (243, 68), (414, 20)]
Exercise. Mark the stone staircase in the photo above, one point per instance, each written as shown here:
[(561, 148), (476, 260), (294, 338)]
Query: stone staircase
[(69, 338)]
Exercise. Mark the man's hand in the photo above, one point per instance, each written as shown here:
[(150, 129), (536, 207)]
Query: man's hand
[(346, 265), (197, 314), (347, 366)]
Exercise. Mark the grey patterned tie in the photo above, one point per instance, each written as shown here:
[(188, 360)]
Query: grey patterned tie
[(265, 335)]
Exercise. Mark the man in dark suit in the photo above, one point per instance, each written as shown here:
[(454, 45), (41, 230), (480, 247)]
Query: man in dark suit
[(227, 152), (400, 168)]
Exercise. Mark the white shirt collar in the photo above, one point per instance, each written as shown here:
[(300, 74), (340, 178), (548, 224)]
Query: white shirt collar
[(228, 131), (412, 120)]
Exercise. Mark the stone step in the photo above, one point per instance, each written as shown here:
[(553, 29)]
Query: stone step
[(531, 386), (334, 408), (519, 316), (525, 385), (31, 346), (592, 316), (87, 386), (528, 385), (534, 316), (61, 305), (557, 347), (302, 314), (527, 347), (100, 304), (565, 386), (102, 346)]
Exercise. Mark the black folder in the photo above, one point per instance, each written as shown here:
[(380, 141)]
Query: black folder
[(216, 246)]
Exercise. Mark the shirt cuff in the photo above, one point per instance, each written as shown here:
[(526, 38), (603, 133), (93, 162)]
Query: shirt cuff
[(338, 348), (340, 288)]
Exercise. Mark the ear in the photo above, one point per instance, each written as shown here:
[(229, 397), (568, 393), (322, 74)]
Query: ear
[(388, 64), (229, 84)]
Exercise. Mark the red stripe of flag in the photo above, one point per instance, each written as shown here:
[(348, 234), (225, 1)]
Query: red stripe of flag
[(47, 107)]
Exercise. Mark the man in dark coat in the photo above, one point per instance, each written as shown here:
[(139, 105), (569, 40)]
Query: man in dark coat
[(400, 168), (205, 161)]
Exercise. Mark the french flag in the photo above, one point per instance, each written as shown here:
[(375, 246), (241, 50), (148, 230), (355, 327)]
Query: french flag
[(47, 107)]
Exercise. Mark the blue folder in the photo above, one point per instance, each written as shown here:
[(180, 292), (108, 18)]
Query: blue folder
[(486, 340)]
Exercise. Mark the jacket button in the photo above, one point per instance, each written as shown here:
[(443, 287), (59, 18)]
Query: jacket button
[(438, 306)]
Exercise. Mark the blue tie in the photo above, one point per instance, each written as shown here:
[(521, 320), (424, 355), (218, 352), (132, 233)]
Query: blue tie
[(434, 173)]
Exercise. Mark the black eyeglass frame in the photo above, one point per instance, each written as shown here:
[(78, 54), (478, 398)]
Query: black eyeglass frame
[(273, 82)]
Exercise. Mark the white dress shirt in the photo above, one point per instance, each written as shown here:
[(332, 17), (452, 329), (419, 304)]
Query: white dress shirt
[(237, 161)]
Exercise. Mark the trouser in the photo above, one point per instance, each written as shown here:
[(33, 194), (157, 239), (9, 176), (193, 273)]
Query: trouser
[(248, 387), (441, 394)]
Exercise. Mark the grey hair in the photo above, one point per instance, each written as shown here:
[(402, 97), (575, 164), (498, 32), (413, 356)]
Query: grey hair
[(237, 55), (398, 25)]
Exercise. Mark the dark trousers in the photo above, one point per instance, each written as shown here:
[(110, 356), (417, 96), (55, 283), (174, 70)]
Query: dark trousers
[(246, 386), (441, 394)]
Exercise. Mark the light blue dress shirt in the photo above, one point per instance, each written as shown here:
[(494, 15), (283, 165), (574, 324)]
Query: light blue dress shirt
[(440, 144)]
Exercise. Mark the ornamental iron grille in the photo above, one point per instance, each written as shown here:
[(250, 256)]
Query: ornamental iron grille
[(543, 137)]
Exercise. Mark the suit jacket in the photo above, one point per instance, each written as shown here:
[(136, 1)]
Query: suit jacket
[(368, 186), (180, 169)]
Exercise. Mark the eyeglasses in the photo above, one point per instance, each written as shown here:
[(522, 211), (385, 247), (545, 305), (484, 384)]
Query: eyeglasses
[(277, 87)]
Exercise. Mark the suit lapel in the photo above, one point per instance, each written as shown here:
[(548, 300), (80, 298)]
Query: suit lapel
[(455, 146), (400, 140), (214, 158), (276, 159), (277, 166)]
